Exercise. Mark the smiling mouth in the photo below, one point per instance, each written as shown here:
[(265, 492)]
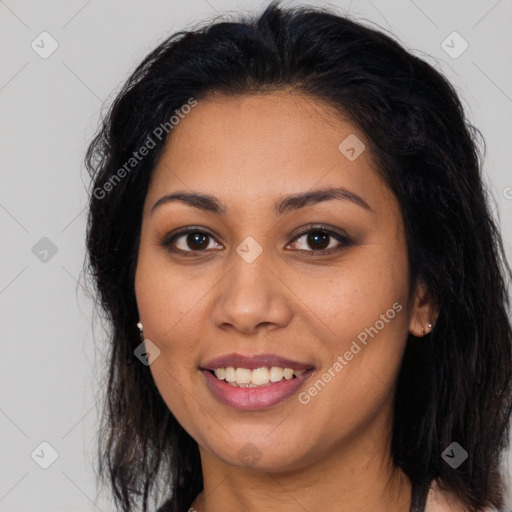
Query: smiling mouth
[(257, 377)]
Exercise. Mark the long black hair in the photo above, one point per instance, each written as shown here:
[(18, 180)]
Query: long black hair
[(454, 385)]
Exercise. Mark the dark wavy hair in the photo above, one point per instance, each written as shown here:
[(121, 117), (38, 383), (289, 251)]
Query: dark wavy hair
[(454, 385)]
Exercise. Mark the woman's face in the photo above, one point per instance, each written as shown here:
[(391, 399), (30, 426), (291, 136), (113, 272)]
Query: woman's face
[(320, 280)]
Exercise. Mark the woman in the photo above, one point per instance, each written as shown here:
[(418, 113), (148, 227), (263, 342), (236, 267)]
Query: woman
[(306, 290)]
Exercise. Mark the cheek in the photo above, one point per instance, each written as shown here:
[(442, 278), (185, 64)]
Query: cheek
[(359, 314), (174, 325), (169, 310), (349, 297), (166, 299)]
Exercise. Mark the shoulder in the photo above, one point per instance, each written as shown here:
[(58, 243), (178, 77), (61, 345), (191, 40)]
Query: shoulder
[(169, 507), (166, 507), (441, 500)]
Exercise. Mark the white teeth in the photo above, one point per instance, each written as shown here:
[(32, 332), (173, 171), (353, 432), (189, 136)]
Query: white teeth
[(220, 373), (259, 377), (288, 373), (243, 376), (230, 374), (276, 374)]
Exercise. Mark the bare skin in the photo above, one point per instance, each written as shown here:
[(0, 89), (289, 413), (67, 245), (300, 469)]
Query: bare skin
[(331, 453)]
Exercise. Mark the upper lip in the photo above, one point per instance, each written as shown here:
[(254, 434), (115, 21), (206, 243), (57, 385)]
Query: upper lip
[(254, 361)]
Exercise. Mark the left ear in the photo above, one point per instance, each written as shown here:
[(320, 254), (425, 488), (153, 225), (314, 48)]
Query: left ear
[(424, 312)]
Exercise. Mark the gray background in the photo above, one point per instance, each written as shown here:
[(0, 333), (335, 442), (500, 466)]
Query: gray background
[(52, 360)]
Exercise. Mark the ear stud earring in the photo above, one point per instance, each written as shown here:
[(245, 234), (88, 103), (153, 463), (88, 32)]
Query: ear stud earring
[(423, 329), (139, 325)]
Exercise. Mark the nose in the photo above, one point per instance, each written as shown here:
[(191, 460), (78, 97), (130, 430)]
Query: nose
[(251, 297)]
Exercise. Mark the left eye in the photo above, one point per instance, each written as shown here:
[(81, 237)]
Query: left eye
[(321, 241)]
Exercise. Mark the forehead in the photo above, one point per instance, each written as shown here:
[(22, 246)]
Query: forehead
[(247, 147)]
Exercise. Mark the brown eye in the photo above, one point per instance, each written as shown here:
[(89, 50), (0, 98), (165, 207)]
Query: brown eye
[(321, 241), (318, 240), (197, 240), (190, 240)]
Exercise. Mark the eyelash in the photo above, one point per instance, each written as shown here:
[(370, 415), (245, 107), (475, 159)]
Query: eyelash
[(342, 238)]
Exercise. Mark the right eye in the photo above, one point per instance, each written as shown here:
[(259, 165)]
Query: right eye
[(190, 240)]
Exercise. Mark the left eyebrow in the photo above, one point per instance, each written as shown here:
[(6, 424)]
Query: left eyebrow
[(284, 204), (294, 202)]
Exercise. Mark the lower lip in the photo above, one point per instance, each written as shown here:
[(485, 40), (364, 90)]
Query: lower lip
[(254, 398)]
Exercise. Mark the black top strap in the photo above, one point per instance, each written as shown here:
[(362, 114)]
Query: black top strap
[(419, 498)]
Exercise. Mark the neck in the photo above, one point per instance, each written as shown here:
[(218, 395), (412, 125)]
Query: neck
[(357, 476)]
